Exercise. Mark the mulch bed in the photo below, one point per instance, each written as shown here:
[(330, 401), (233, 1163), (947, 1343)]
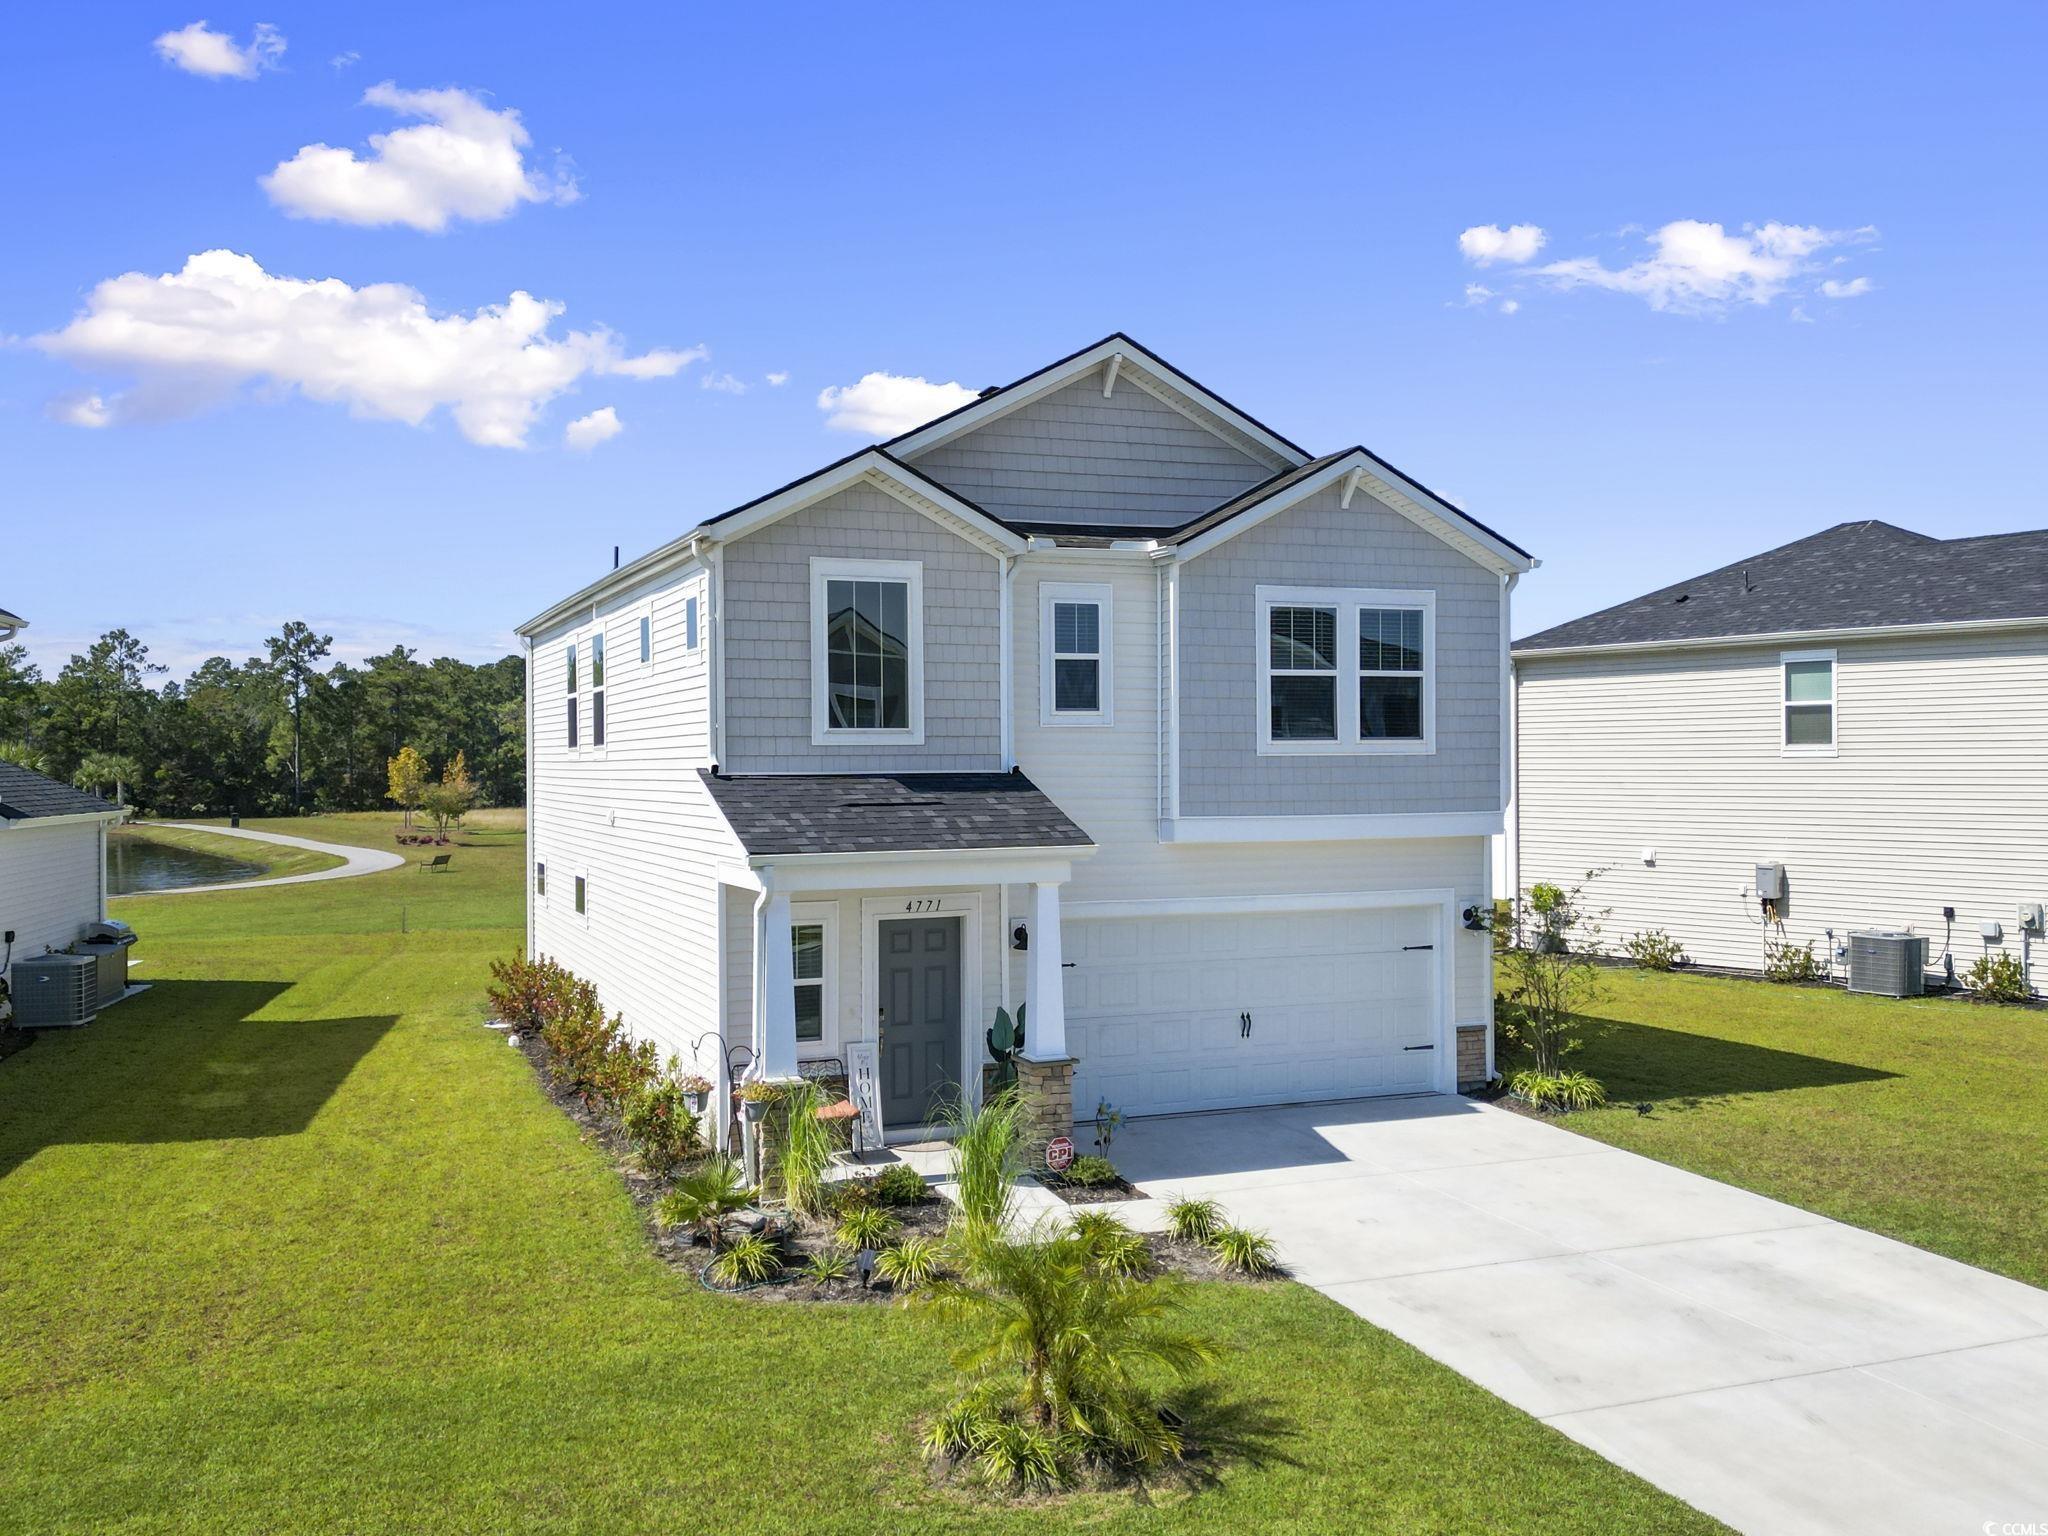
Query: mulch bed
[(1120, 1188)]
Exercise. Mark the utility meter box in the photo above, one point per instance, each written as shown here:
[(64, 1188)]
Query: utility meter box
[(1993, 931), (1770, 882), (2029, 917)]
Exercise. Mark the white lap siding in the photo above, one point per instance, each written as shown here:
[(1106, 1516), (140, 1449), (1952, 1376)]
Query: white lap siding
[(50, 883), (1937, 795), (631, 817)]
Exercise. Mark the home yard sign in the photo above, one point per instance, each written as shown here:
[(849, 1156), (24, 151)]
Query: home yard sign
[(1059, 1154)]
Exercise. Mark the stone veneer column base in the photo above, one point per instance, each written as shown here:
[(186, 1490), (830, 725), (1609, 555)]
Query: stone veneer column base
[(1472, 1056), (1047, 1088)]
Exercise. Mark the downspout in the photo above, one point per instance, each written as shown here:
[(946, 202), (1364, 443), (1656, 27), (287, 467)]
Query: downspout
[(1511, 714), (1006, 671), (714, 636), (532, 843)]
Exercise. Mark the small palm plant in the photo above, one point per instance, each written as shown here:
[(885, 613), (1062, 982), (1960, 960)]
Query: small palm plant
[(1063, 1366), (824, 1268), (1193, 1220), (704, 1200)]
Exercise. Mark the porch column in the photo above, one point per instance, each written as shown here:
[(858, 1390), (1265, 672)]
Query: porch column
[(1045, 1010), (775, 999)]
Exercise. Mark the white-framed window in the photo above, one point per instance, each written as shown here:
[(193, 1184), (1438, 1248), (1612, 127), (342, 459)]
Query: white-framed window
[(582, 896), (571, 736), (540, 879), (646, 637), (1806, 709), (867, 652), (597, 689), (689, 623), (1075, 656), (1345, 670), (814, 967)]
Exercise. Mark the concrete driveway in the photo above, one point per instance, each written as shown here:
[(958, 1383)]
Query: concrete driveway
[(1781, 1371)]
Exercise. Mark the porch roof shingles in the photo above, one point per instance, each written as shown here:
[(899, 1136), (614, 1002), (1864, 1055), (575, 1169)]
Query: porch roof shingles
[(889, 812)]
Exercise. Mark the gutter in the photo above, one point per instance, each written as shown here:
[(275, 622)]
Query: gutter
[(1783, 637)]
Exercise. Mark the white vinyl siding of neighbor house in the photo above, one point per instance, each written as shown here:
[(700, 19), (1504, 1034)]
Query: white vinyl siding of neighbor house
[(52, 883), (1936, 793), (767, 632), (1075, 456), (1108, 780), (632, 818), (1323, 545)]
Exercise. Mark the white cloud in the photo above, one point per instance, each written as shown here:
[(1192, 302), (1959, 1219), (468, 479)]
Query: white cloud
[(1486, 244), (1855, 288), (1510, 306), (194, 337), (1699, 268), (198, 50), (1476, 294), (81, 410), (343, 60), (462, 161), (586, 432), (661, 363), (886, 403), (724, 383), (778, 379)]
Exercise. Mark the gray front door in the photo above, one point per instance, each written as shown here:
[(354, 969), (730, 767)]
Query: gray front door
[(920, 1023)]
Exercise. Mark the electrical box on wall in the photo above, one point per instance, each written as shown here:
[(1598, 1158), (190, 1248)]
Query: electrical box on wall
[(1993, 931), (2029, 917), (1770, 882)]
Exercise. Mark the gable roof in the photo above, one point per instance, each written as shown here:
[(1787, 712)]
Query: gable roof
[(1863, 575), (798, 813), (28, 796)]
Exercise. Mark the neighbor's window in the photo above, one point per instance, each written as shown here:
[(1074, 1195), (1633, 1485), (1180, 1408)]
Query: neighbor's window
[(807, 956), (582, 894), (1075, 621), (1809, 701), (540, 879), (646, 639), (1345, 670), (597, 689), (572, 693), (866, 650), (690, 624)]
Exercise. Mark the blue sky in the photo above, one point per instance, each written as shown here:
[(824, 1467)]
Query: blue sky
[(961, 194)]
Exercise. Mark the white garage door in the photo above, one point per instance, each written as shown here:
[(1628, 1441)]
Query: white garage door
[(1215, 1011)]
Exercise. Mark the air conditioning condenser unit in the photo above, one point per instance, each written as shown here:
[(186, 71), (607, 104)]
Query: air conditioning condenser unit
[(53, 991), (1887, 963)]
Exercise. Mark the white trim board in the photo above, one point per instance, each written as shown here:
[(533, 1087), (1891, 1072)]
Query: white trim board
[(1782, 637), (824, 570), (1307, 829)]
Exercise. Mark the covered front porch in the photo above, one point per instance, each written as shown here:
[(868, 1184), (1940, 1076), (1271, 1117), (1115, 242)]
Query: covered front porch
[(888, 963)]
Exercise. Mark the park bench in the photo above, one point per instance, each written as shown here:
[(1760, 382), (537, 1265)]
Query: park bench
[(438, 861)]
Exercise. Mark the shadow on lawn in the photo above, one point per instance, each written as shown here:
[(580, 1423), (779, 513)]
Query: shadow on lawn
[(185, 1061), (1642, 1062)]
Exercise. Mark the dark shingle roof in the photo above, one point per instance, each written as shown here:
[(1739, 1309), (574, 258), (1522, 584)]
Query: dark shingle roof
[(889, 812), (25, 796), (1850, 576)]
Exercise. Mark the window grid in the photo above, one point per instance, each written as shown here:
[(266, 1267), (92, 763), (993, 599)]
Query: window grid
[(1077, 658), (867, 630), (807, 966), (1302, 661)]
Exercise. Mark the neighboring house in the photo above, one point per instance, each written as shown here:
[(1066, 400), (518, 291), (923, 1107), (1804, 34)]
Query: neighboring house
[(53, 861), (1095, 693), (1865, 707)]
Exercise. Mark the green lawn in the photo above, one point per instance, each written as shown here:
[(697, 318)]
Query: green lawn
[(291, 1244), (1924, 1119), (275, 858)]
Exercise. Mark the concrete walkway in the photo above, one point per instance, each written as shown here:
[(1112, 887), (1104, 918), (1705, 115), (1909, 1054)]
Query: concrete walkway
[(359, 861), (1781, 1371)]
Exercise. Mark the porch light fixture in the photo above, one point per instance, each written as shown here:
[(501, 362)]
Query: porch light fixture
[(1021, 939)]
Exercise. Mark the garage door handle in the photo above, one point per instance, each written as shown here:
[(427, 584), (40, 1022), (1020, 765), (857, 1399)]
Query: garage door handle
[(1418, 1047), (1418, 946)]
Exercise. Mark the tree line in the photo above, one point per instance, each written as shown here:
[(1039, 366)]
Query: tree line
[(271, 735)]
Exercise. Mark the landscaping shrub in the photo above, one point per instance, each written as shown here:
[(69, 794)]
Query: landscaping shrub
[(1247, 1252), (806, 1149), (660, 1126), (749, 1260), (1998, 977), (1091, 1172), (986, 1158), (824, 1268), (1785, 961), (911, 1263), (1557, 1090), (1655, 950), (899, 1184), (704, 1200), (1193, 1220), (529, 993), (1550, 979), (845, 1195), (1110, 1244), (867, 1226)]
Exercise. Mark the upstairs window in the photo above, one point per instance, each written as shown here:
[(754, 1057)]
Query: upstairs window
[(646, 638), (690, 624), (572, 694), (1807, 703), (1074, 660), (1345, 670), (582, 896), (867, 651), (597, 689)]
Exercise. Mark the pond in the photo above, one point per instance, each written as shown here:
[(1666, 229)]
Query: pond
[(142, 864)]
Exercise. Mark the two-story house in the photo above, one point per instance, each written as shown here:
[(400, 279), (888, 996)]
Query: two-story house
[(1096, 695)]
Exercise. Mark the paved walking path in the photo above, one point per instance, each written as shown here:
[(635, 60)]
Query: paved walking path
[(1781, 1371), (360, 861)]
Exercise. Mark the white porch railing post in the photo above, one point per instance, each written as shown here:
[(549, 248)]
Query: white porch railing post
[(775, 1008), (1045, 1010)]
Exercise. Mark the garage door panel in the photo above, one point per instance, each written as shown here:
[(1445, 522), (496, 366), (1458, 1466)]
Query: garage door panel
[(1336, 999)]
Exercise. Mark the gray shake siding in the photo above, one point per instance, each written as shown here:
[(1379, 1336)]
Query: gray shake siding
[(1076, 457), (1319, 545), (767, 624)]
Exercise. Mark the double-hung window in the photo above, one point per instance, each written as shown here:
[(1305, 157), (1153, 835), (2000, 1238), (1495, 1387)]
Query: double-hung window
[(1076, 682), (571, 738), (1345, 670), (867, 652), (597, 689), (1807, 703), (812, 960)]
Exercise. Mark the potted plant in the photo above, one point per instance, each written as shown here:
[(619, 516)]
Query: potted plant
[(756, 1095), (696, 1091)]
